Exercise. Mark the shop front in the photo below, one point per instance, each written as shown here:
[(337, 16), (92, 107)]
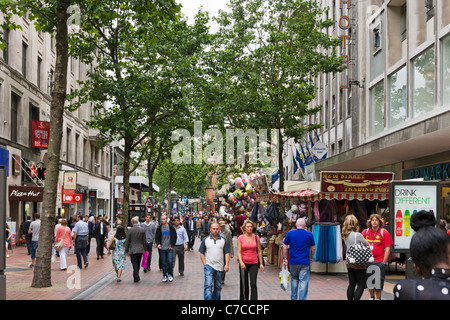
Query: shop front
[(434, 172), (29, 197), (326, 204)]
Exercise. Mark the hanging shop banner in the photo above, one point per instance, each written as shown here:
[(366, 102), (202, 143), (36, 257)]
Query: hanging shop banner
[(355, 182), (408, 198), (70, 180), (40, 134), (69, 196), (24, 193)]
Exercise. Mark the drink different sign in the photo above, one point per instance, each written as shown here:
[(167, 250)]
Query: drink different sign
[(408, 198)]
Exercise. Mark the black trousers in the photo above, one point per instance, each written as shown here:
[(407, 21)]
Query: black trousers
[(100, 245), (357, 283), (178, 252), (136, 259), (191, 235), (250, 273)]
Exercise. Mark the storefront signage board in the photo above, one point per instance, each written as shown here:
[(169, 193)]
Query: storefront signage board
[(406, 199)]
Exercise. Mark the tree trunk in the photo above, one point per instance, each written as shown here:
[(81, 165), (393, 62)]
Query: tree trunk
[(126, 182), (42, 270)]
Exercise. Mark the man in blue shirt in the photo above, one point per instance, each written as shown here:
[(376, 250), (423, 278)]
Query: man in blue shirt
[(181, 245), (80, 239), (301, 246)]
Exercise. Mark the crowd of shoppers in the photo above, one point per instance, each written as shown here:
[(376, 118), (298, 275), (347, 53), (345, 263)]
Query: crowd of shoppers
[(430, 251)]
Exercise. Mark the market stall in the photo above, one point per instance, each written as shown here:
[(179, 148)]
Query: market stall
[(328, 201)]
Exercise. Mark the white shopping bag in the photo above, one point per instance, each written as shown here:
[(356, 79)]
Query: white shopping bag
[(284, 278)]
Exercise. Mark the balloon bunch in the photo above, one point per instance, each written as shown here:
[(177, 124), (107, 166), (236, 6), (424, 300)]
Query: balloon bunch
[(240, 196)]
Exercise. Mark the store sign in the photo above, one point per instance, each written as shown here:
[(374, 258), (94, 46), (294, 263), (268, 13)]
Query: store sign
[(70, 180), (69, 196), (92, 194), (23, 193), (319, 149), (436, 172), (40, 134), (408, 198), (355, 182)]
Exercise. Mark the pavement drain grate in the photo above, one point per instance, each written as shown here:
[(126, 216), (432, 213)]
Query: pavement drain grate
[(16, 269)]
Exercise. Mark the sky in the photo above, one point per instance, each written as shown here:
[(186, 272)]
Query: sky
[(191, 7)]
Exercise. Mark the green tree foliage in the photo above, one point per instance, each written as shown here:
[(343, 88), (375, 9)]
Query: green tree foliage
[(262, 66)]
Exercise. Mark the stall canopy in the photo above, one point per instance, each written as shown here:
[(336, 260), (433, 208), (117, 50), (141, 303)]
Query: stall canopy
[(342, 185), (312, 195)]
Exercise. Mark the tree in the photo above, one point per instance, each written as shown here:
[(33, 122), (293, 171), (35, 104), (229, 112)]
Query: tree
[(262, 67), (145, 56), (52, 17)]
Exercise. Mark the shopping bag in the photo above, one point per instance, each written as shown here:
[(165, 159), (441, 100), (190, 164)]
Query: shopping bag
[(144, 259), (284, 278)]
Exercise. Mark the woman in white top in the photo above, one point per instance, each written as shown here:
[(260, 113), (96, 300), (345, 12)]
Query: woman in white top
[(356, 274)]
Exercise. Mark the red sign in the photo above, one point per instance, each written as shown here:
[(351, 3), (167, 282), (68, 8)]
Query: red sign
[(149, 203), (356, 182), (40, 133), (69, 196)]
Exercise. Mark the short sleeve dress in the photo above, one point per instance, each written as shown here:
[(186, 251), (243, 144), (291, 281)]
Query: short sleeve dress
[(119, 255)]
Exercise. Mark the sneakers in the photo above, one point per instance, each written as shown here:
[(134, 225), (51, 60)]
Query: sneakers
[(164, 279), (31, 265), (170, 278)]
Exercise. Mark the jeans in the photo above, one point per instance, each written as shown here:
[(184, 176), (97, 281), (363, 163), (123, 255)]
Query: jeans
[(167, 261), (213, 283), (34, 245), (299, 274), (80, 244)]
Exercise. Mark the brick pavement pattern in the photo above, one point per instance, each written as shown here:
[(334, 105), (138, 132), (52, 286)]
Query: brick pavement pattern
[(98, 281)]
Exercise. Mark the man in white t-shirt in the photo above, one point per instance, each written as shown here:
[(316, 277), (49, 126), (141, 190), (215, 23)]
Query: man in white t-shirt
[(215, 255)]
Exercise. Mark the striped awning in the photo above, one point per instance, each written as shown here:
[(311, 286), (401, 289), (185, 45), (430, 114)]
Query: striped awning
[(312, 195), (304, 195)]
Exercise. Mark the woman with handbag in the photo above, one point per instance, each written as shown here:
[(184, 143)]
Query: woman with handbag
[(117, 244), (63, 243), (250, 260), (356, 272)]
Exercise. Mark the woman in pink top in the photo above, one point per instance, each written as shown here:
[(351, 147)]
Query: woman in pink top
[(64, 231), (249, 254)]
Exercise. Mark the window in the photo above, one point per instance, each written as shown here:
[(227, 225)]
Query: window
[(24, 59), (430, 5), (403, 22), (15, 101), (34, 115), (39, 70), (376, 116), (6, 50), (397, 97), (445, 71), (68, 136), (376, 39), (423, 82), (333, 110)]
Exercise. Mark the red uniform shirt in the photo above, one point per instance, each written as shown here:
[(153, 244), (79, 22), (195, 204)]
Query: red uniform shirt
[(378, 242)]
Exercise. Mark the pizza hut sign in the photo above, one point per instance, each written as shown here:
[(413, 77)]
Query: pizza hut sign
[(23, 193)]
